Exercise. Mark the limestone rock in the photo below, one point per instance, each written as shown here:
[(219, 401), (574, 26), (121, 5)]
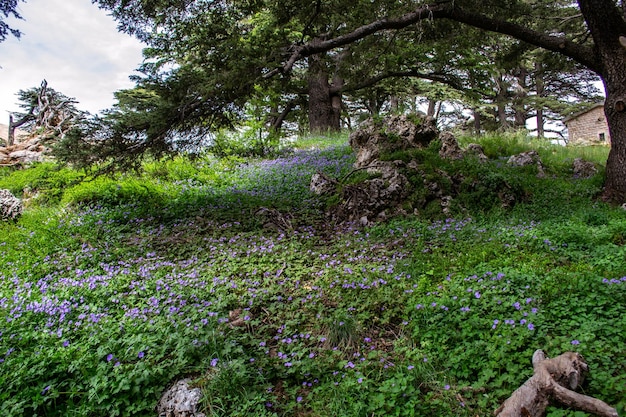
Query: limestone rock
[(367, 200), (25, 156), (450, 148), (477, 151), (584, 169), (27, 152), (322, 184), (375, 138), (10, 206), (180, 400), (528, 158)]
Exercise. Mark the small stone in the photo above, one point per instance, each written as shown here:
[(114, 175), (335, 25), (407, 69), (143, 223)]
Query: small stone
[(180, 400)]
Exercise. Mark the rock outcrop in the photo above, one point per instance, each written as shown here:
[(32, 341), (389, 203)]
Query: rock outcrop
[(450, 148), (399, 182), (375, 138), (29, 151)]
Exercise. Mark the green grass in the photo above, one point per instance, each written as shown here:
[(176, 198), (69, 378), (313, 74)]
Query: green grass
[(121, 285)]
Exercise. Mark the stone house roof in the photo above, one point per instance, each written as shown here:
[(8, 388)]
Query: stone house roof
[(588, 127)]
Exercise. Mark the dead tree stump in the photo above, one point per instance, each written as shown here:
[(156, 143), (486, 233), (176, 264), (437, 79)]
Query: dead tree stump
[(554, 380)]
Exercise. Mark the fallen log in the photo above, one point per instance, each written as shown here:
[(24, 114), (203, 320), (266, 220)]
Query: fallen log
[(553, 381)]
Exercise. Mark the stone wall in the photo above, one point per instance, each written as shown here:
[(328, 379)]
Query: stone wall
[(589, 127)]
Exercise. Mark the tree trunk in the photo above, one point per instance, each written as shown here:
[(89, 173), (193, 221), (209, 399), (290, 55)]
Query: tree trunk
[(540, 126), (14, 125), (615, 183), (324, 106), (432, 107), (606, 27), (277, 119), (540, 88), (11, 138), (501, 101), (336, 103), (394, 103), (477, 126), (553, 381), (520, 97)]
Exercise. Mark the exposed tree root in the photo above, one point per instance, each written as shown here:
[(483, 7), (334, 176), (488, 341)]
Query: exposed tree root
[(553, 381)]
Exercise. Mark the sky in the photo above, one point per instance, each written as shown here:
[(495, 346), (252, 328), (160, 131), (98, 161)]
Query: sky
[(74, 46)]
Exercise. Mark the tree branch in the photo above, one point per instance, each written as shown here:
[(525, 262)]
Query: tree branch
[(446, 10), (318, 46), (560, 44), (582, 402), (440, 78)]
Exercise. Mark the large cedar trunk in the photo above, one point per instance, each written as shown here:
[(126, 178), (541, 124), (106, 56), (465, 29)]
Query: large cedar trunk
[(614, 78), (324, 103), (607, 25), (615, 183)]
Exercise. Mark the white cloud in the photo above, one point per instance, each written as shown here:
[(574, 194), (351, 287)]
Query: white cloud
[(74, 46)]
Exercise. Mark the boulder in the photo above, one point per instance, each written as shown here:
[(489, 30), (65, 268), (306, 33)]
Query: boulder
[(376, 138), (180, 400), (477, 151), (584, 169), (369, 200), (10, 206), (450, 148), (526, 159)]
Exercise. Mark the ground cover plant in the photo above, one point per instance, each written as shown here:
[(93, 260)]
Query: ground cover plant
[(118, 286)]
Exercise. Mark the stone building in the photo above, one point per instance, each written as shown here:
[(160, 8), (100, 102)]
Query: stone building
[(588, 127)]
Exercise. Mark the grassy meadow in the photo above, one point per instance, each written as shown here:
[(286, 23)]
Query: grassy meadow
[(111, 288)]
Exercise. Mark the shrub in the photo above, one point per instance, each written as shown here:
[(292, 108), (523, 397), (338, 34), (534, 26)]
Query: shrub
[(114, 192)]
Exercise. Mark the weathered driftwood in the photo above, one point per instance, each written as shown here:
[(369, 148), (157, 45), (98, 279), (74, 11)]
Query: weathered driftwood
[(553, 381)]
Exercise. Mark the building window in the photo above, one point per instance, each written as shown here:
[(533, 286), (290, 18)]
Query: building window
[(601, 137)]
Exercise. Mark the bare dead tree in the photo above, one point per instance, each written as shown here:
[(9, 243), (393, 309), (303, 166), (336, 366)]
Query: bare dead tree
[(46, 110)]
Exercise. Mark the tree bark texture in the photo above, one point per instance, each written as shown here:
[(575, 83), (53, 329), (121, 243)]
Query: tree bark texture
[(607, 25), (553, 381), (324, 104)]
